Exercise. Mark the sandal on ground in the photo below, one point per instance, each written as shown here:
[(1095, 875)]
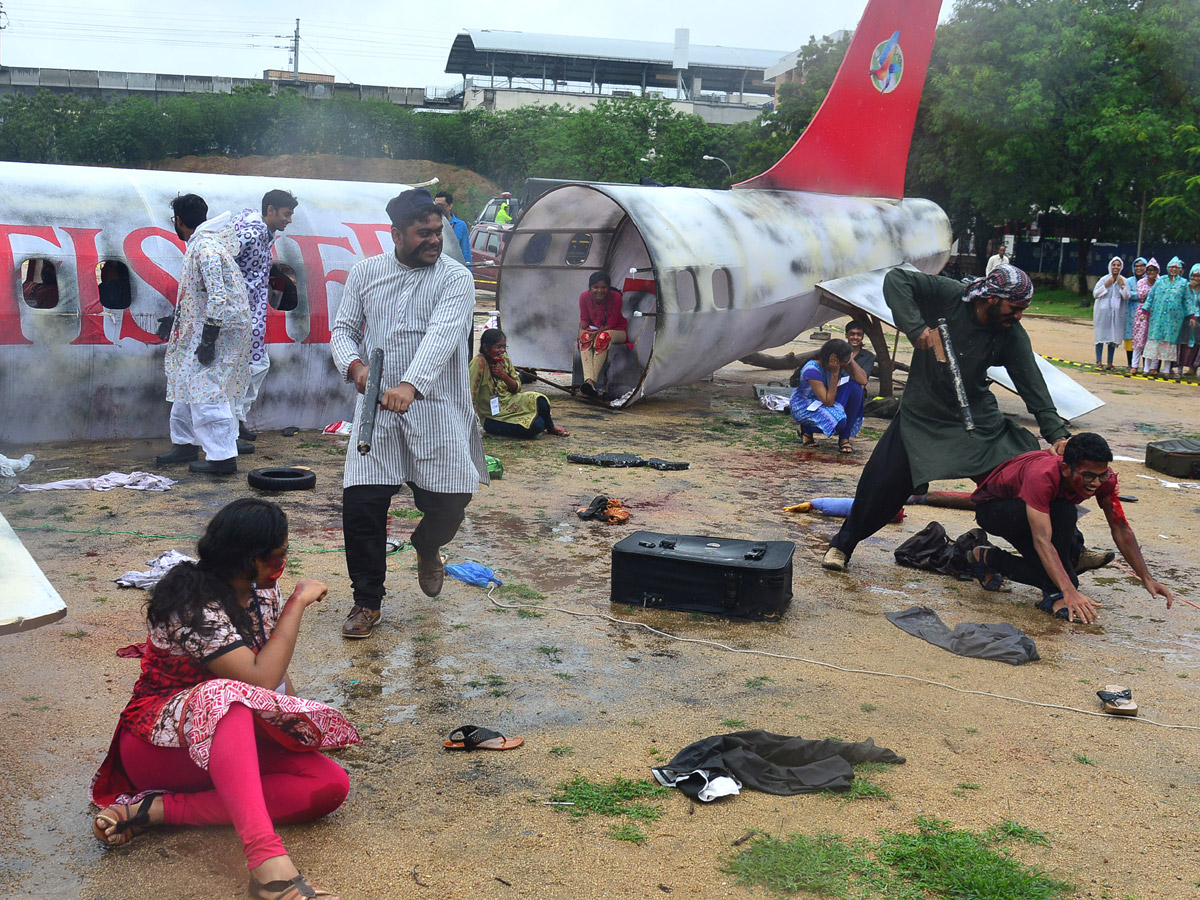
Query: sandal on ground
[(1046, 605), (808, 440), (559, 431), (989, 579), (472, 737), (844, 446), (126, 824), (1118, 700), (285, 889)]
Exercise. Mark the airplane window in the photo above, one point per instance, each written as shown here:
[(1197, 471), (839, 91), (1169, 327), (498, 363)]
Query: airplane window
[(112, 277), (39, 283), (722, 288), (536, 249), (685, 290), (283, 295), (577, 250)]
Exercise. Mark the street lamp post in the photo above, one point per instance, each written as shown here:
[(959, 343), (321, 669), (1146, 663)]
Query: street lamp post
[(721, 161)]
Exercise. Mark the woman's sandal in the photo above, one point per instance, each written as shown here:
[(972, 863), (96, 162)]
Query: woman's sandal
[(559, 431), (126, 825), (844, 446), (808, 440), (989, 579), (289, 889)]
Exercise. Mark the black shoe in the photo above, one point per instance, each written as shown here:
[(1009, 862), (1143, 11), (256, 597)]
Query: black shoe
[(179, 453), (245, 433), (245, 448), (588, 389), (214, 466)]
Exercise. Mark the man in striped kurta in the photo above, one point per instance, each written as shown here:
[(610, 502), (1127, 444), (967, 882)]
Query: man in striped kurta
[(417, 305)]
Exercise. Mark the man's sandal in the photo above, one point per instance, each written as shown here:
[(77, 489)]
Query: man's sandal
[(1118, 700), (285, 889), (126, 825), (989, 579)]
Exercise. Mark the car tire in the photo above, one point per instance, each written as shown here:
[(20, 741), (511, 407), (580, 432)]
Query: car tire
[(282, 478)]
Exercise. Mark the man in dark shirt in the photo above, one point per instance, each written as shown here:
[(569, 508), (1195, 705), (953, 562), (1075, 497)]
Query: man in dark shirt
[(856, 331), (926, 441), (1030, 501)]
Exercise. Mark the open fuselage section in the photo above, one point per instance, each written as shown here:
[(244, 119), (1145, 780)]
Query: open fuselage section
[(707, 276), (85, 362)]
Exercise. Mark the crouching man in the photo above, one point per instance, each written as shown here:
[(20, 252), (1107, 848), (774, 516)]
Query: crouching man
[(1031, 501)]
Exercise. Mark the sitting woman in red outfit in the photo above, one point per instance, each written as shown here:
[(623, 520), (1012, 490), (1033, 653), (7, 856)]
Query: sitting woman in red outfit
[(600, 326), (213, 735)]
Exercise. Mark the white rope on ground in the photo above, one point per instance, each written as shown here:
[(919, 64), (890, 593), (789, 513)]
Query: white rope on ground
[(825, 665)]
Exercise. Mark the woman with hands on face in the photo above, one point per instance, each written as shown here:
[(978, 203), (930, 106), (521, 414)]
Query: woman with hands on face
[(213, 734), (828, 395), (503, 408)]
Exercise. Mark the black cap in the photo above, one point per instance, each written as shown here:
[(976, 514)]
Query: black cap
[(400, 206)]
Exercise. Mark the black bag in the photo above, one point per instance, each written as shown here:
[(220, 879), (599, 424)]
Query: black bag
[(1179, 458), (738, 579)]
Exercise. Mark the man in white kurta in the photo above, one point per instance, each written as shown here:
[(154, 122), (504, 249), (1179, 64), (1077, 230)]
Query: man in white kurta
[(417, 305), (256, 233), (209, 347)]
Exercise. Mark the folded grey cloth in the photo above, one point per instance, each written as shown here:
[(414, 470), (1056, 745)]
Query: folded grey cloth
[(1002, 642)]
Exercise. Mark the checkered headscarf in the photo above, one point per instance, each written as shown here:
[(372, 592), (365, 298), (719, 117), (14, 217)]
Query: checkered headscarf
[(1006, 282)]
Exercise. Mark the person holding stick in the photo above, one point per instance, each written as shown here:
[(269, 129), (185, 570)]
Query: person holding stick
[(927, 440)]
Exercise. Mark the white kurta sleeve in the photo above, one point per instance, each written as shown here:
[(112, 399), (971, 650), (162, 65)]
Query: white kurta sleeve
[(346, 335)]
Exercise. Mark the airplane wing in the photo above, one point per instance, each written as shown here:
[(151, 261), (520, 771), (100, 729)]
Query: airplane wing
[(27, 599), (865, 291)]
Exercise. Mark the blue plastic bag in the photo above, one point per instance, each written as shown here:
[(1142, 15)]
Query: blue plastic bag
[(473, 573)]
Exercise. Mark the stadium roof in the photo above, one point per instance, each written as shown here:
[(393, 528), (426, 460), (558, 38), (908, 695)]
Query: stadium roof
[(518, 54)]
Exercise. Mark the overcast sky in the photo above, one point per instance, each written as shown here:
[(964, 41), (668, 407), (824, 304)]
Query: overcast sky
[(389, 42)]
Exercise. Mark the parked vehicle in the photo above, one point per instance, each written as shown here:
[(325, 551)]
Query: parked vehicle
[(487, 246)]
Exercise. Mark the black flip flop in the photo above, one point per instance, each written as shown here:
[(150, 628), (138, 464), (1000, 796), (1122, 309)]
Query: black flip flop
[(473, 737)]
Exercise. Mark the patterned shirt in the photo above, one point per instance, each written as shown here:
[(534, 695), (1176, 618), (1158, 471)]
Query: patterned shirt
[(254, 261)]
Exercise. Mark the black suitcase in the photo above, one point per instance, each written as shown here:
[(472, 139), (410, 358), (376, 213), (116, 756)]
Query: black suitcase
[(739, 579), (1179, 458)]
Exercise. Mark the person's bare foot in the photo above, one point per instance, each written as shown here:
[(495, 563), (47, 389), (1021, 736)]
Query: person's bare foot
[(559, 431)]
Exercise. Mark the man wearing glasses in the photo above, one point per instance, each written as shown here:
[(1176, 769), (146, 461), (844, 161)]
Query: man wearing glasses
[(926, 440), (1031, 500)]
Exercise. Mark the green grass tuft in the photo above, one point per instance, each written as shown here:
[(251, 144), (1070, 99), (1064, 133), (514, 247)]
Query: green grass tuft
[(616, 798), (733, 724), (627, 831)]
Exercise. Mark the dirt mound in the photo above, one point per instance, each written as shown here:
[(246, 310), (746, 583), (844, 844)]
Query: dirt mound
[(473, 188)]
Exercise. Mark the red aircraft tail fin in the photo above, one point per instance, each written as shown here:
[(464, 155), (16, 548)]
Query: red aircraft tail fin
[(858, 141)]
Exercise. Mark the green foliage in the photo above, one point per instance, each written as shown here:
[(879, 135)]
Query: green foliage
[(616, 798), (936, 861)]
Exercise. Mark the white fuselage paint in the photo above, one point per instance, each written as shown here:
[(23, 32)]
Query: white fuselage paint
[(733, 271)]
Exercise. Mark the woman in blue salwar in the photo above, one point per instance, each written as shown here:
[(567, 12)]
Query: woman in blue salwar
[(828, 396)]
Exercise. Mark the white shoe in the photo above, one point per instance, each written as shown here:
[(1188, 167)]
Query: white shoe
[(835, 560)]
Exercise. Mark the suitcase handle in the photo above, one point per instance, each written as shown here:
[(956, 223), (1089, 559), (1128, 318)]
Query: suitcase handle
[(757, 552)]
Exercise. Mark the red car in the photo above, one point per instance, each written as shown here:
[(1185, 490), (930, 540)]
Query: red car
[(487, 245)]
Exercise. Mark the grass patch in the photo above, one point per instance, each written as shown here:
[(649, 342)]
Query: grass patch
[(565, 676), (733, 724), (1058, 302), (758, 681), (619, 797), (938, 861), (864, 787), (526, 613), (868, 707), (405, 513), (518, 592), (562, 750), (77, 635), (628, 831), (1084, 760)]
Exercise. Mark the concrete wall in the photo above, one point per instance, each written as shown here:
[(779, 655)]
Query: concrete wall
[(117, 85)]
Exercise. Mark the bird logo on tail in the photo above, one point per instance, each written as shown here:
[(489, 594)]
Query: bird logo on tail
[(887, 64)]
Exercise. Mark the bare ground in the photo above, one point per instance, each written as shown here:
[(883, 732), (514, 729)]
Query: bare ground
[(1117, 797)]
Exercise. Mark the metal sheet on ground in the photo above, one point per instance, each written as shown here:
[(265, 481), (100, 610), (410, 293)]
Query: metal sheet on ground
[(865, 291), (27, 598)]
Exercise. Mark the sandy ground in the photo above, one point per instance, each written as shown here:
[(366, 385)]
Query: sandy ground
[(1117, 797)]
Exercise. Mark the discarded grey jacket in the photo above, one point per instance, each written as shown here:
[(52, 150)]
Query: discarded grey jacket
[(1003, 642), (775, 763)]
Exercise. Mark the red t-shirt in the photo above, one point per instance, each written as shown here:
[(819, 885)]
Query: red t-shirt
[(1036, 478), (603, 315)]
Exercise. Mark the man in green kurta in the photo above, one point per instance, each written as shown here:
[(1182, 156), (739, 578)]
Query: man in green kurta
[(926, 441)]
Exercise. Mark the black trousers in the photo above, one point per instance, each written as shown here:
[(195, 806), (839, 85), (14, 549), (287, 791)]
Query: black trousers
[(364, 529), (1009, 519), (883, 488), (542, 422)]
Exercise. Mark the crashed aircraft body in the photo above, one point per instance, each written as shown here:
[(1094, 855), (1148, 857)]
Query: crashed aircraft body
[(709, 276)]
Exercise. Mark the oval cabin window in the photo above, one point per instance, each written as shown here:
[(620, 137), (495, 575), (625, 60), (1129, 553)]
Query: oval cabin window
[(578, 249)]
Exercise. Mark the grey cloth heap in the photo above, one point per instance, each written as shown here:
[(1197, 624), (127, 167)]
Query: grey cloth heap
[(1002, 642)]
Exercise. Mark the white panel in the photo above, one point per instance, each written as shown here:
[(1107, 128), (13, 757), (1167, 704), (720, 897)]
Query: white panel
[(27, 599)]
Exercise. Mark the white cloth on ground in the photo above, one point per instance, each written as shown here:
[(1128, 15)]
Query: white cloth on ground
[(159, 566), (135, 481), (211, 426), (10, 467)]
